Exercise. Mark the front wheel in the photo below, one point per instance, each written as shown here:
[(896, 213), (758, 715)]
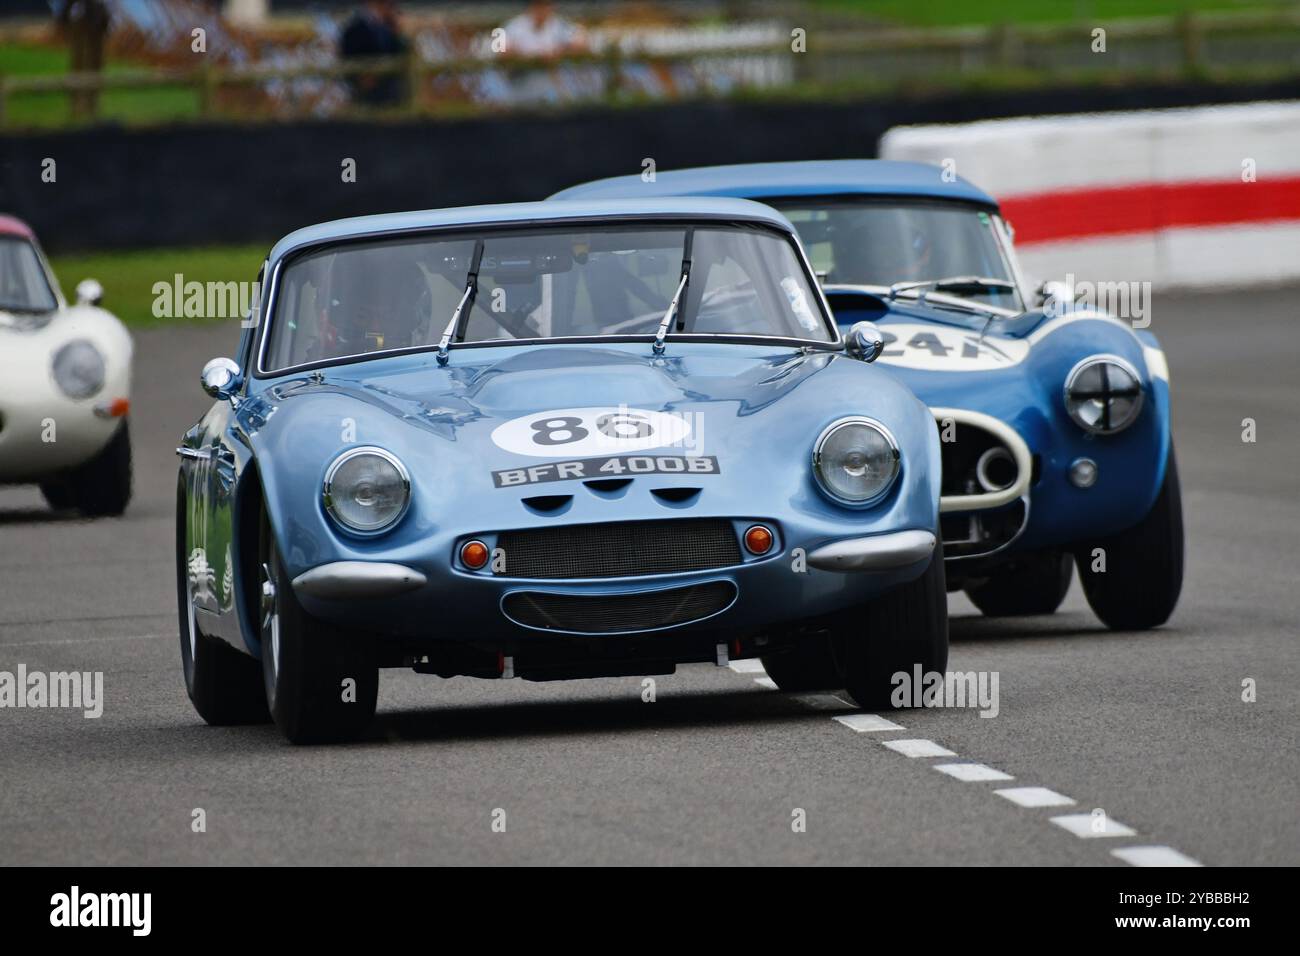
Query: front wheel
[(1132, 580), (102, 486), (58, 494), (808, 664), (1033, 584), (898, 631), (321, 685), (224, 685)]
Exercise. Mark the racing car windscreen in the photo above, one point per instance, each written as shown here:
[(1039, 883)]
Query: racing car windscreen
[(23, 286), (382, 295), (882, 242)]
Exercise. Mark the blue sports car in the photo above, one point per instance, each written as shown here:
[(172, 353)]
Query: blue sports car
[(1054, 417), (549, 441)]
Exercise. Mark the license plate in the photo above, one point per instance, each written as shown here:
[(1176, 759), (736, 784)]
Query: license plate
[(619, 466)]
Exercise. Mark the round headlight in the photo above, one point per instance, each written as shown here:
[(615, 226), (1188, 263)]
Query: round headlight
[(1103, 394), (79, 369), (856, 460), (367, 490)]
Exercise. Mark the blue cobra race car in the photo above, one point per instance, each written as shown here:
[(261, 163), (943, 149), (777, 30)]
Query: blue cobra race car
[(1054, 417), (550, 440)]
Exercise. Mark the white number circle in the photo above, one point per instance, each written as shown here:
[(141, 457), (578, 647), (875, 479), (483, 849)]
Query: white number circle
[(583, 432)]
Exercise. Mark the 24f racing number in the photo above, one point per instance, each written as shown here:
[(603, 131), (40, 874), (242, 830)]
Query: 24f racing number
[(940, 348), (595, 443)]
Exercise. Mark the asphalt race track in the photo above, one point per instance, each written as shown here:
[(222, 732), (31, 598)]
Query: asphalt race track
[(1149, 727)]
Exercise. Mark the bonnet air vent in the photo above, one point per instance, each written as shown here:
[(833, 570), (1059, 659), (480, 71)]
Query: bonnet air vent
[(548, 504), (675, 496), (608, 486)]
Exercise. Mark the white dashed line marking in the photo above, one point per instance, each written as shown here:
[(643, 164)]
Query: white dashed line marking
[(972, 772), (867, 723), (1081, 825), (1034, 797), (918, 748), (1153, 856)]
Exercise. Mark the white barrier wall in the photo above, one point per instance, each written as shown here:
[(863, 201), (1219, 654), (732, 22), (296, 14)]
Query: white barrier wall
[(1201, 197)]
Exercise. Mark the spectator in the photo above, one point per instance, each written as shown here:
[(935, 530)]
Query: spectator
[(85, 23), (374, 31), (540, 31)]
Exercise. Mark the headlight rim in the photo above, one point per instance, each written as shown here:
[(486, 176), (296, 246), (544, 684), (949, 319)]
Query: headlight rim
[(884, 431), (100, 357), (1103, 358), (327, 487)]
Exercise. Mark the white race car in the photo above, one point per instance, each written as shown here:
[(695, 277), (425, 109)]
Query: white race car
[(65, 380)]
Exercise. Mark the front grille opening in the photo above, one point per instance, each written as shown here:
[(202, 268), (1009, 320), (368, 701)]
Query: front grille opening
[(969, 533), (618, 613), (620, 550), (961, 461)]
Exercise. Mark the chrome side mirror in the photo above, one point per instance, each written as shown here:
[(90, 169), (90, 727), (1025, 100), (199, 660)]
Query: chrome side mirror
[(89, 292), (1052, 291), (221, 378), (865, 341)]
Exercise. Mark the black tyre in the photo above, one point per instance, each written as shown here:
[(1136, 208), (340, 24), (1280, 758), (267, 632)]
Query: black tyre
[(321, 685), (102, 486), (897, 631), (808, 664), (1034, 584), (1143, 574), (224, 685), (58, 494)]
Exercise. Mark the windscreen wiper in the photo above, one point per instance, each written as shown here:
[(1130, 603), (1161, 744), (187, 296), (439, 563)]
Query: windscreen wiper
[(674, 307), (471, 287), (954, 284), (931, 292)]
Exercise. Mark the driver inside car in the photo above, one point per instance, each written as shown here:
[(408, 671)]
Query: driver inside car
[(382, 307)]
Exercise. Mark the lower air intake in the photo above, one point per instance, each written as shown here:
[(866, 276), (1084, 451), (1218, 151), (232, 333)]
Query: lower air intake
[(618, 613), (624, 549)]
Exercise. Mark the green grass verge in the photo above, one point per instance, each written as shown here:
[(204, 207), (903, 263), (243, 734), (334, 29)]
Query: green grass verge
[(933, 13), (55, 109), (129, 277)]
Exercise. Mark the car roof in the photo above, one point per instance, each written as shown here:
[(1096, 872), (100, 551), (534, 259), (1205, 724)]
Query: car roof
[(12, 226), (839, 177), (667, 207)]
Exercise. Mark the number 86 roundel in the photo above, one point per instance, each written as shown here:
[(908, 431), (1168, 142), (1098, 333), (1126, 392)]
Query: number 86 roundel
[(572, 432)]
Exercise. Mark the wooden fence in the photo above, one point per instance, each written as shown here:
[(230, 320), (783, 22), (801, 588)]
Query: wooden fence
[(1252, 43)]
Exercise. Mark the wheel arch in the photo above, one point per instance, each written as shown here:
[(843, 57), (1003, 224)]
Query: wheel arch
[(250, 502), (182, 518)]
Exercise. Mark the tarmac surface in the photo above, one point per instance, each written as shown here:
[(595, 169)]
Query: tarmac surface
[(1149, 727)]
